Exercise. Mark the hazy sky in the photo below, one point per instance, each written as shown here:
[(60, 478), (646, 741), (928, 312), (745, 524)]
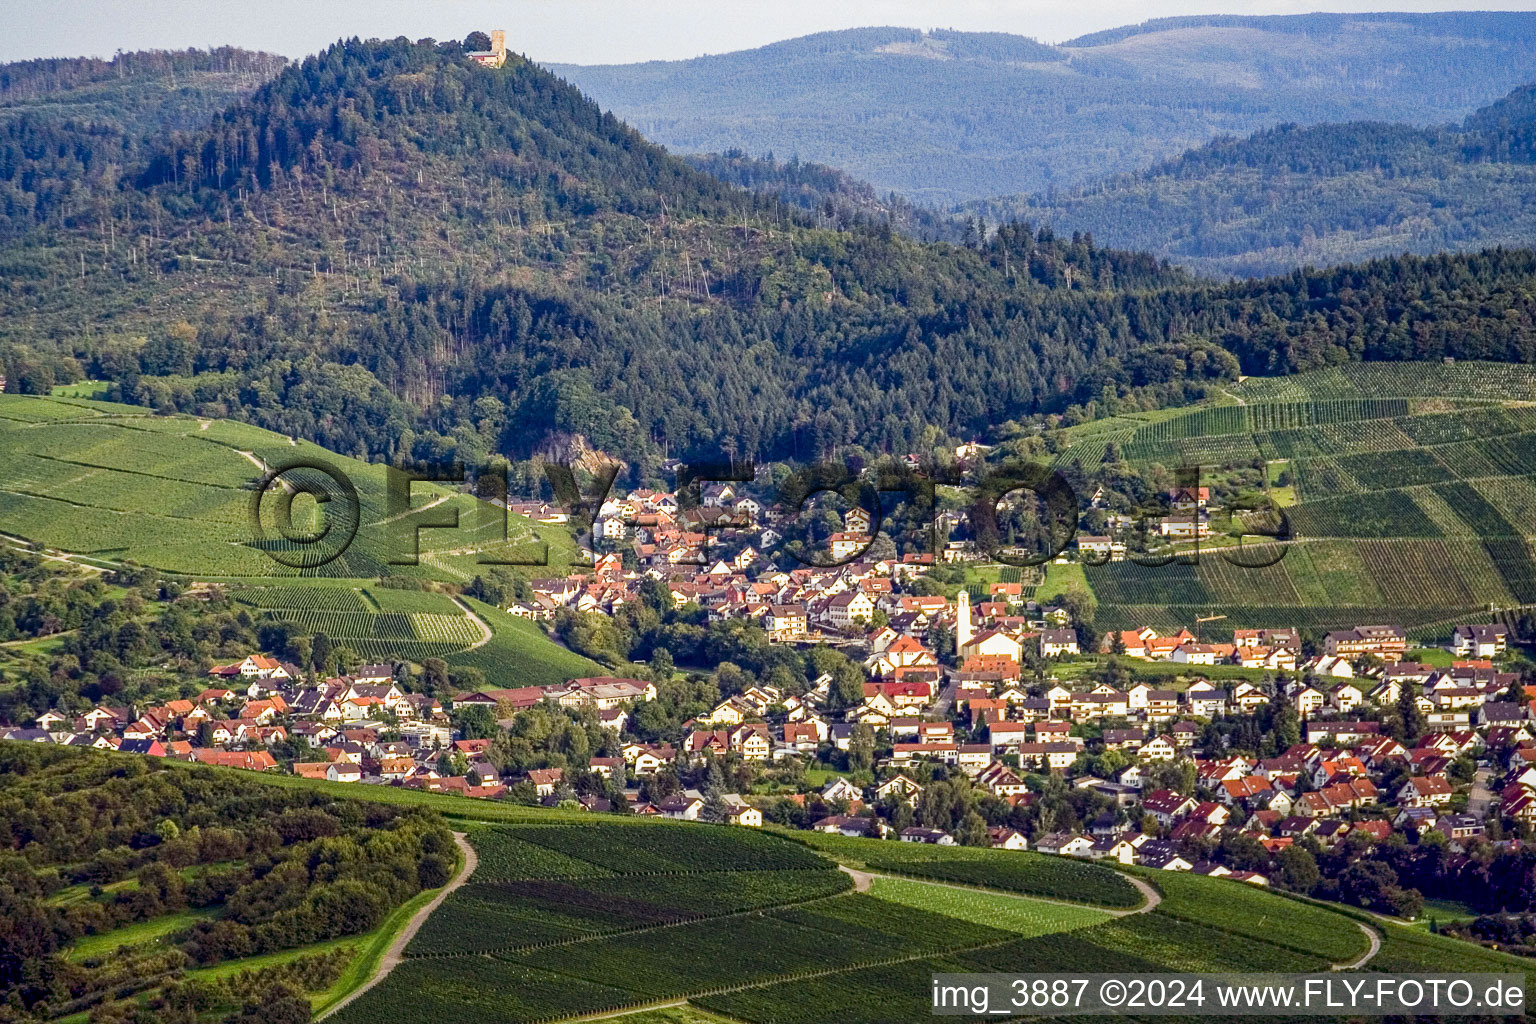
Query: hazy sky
[(587, 31)]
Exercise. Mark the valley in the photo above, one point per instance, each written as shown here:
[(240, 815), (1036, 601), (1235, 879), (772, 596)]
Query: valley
[(725, 541)]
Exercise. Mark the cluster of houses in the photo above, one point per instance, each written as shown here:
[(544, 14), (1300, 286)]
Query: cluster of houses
[(709, 555), (1331, 785), (1272, 649), (1188, 518), (260, 702)]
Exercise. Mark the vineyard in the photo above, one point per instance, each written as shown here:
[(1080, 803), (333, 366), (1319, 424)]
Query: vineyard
[(1024, 916), (630, 909), (606, 916), (519, 653), (565, 920), (349, 617), (1323, 584), (303, 599), (1242, 909), (1468, 381), (173, 492), (1401, 469), (1032, 874), (1414, 497), (1275, 416), (176, 492), (412, 602)]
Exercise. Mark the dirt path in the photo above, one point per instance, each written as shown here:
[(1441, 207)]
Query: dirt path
[(395, 953), (1375, 939), (485, 630), (862, 880), (37, 639), (411, 511)]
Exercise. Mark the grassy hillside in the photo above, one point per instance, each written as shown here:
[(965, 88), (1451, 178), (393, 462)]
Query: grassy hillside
[(107, 484), (1413, 500), (948, 116), (119, 483)]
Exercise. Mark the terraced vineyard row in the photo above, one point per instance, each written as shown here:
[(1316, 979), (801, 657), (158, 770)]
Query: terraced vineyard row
[(385, 626), (1467, 424), (412, 601), (303, 599), (1273, 416), (1471, 380), (1512, 558), (1433, 574), (373, 649), (455, 629), (1381, 514)]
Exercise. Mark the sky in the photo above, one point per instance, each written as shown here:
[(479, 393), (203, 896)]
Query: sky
[(587, 31)]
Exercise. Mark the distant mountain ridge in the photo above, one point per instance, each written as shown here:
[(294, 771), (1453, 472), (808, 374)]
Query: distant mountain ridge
[(1324, 194), (949, 116), (1472, 24), (395, 252), (136, 92)]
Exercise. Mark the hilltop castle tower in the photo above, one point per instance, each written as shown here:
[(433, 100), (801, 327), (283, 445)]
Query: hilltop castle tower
[(962, 620), (496, 56)]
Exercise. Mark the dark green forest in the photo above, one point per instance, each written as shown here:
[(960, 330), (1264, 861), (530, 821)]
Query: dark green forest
[(1331, 193), (90, 842), (67, 123), (393, 252)]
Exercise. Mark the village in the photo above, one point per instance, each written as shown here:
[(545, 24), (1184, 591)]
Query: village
[(1352, 739)]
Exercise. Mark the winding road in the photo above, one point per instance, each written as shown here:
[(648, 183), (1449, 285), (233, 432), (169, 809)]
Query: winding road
[(1375, 939), (485, 631), (396, 951)]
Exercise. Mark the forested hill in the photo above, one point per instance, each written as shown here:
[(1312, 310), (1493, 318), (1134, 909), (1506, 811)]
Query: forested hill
[(69, 124), (1332, 193), (834, 197), (950, 116), (392, 251), (134, 92)]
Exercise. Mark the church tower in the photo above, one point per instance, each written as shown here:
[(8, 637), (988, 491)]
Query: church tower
[(962, 620)]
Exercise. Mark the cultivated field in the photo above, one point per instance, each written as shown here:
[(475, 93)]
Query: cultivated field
[(116, 483), (1413, 498), (570, 914)]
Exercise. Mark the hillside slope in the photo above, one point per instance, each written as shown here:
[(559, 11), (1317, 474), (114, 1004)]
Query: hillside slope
[(394, 253), (108, 484), (77, 123), (137, 92), (1406, 487), (949, 116), (1331, 193)]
